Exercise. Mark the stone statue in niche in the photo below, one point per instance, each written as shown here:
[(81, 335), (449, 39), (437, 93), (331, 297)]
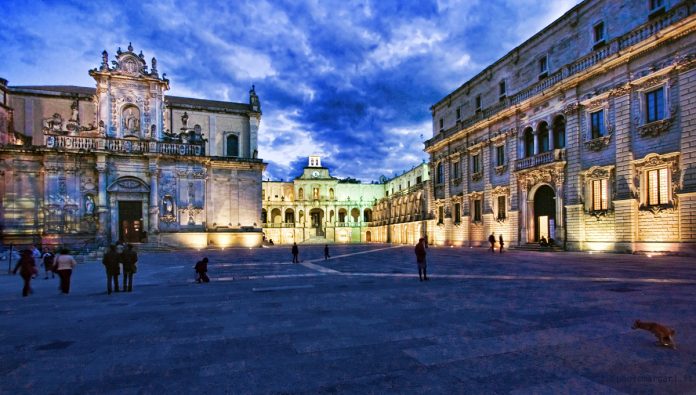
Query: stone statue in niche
[(131, 120), (168, 206), (75, 114), (184, 121), (89, 205)]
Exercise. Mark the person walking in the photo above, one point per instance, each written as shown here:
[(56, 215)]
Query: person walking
[(48, 258), (500, 241), (295, 253), (36, 254), (64, 267), (129, 267), (202, 271), (420, 260), (110, 262), (27, 269), (326, 252), (491, 239)]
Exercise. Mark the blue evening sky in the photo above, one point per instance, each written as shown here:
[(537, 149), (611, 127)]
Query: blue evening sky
[(352, 81)]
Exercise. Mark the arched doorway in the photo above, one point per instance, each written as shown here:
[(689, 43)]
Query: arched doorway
[(129, 201), (316, 215), (368, 236), (544, 213)]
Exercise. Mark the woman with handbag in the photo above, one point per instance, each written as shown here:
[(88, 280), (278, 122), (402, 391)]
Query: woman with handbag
[(27, 269), (64, 267)]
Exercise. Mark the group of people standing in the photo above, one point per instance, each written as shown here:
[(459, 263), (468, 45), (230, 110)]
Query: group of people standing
[(120, 256), (61, 264)]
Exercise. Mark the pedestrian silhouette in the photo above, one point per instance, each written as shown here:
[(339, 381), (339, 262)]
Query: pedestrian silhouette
[(326, 252), (491, 239), (111, 265), (500, 241), (420, 260), (295, 253), (202, 271)]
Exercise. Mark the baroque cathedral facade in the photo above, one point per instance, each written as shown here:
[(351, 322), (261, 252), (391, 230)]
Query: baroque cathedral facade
[(585, 133), (124, 161)]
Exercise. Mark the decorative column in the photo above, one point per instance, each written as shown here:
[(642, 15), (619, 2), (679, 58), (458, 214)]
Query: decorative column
[(524, 209), (536, 141), (560, 222), (102, 204), (154, 197)]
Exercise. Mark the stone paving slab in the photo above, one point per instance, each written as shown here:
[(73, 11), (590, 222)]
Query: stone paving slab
[(360, 322)]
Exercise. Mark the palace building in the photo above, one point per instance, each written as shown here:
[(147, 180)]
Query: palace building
[(318, 208), (122, 160), (585, 133)]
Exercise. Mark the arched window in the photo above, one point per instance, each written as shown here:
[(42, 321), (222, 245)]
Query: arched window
[(233, 145), (367, 215), (559, 125), (528, 143), (543, 130), (263, 195), (331, 193), (300, 194), (440, 173)]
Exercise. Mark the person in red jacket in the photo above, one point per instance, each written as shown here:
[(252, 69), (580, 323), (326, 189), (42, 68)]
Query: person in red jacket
[(27, 269), (420, 259)]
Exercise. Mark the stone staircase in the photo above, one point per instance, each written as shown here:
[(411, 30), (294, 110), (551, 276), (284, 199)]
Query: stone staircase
[(536, 247)]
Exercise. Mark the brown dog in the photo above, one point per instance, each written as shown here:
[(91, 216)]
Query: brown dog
[(664, 335)]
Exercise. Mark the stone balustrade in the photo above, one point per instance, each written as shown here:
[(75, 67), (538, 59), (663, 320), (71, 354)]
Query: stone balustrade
[(540, 159), (127, 146)]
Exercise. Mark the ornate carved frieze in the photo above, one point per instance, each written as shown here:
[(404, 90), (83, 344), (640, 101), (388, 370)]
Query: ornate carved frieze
[(477, 176), (553, 174), (651, 82), (500, 190), (599, 143), (500, 170), (598, 172), (620, 90), (654, 129), (475, 195), (571, 108)]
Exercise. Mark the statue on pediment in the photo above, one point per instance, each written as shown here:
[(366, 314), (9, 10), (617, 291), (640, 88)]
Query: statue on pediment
[(53, 124)]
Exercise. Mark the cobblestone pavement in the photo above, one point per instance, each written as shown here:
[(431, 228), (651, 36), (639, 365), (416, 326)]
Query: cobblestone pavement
[(360, 322)]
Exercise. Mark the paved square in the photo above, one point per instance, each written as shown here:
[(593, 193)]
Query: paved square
[(360, 322)]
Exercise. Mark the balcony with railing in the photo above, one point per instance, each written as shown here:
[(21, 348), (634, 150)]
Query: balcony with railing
[(543, 158), (126, 146), (613, 47)]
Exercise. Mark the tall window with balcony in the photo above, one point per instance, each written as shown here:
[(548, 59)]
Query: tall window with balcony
[(459, 113), (500, 155), (476, 164), (232, 145), (598, 35), (502, 90), (559, 125), (543, 131), (656, 6), (655, 105), (455, 170), (543, 67), (478, 103), (658, 187), (600, 201), (528, 142), (597, 124), (442, 124)]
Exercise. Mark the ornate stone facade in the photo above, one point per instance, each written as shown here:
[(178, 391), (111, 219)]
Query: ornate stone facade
[(602, 146), (125, 161)]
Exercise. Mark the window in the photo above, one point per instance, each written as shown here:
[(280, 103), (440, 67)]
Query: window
[(599, 195), (501, 207), (500, 155), (597, 124), (457, 213), (459, 113), (658, 187), (442, 123), (478, 103), (232, 145), (300, 194), (408, 184), (440, 174), (543, 67), (419, 179), (477, 210), (502, 91), (543, 137), (657, 5), (455, 169), (440, 215), (528, 143), (559, 132), (331, 193), (655, 105), (315, 193), (476, 163), (598, 33)]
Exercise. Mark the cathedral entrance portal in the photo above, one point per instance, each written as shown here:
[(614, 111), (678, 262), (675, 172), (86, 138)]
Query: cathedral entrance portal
[(130, 217), (544, 213)]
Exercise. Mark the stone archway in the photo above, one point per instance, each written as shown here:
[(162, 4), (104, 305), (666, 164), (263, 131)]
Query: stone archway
[(546, 183), (128, 205), (543, 213)]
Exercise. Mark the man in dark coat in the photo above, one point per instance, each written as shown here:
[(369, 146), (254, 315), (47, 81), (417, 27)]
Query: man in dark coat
[(111, 264), (491, 239), (295, 253), (326, 252), (27, 269), (202, 271), (420, 260), (130, 259)]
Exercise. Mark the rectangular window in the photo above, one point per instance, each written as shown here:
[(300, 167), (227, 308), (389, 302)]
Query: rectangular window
[(598, 32), (419, 179), (440, 215), (459, 113), (478, 103), (502, 91), (658, 187), (656, 5), (455, 169), (597, 123), (442, 123), (475, 163), (408, 184), (500, 155), (501, 207), (457, 213), (477, 210), (599, 195), (655, 105), (543, 67)]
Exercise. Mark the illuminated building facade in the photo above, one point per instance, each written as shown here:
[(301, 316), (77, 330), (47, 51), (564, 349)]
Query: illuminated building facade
[(585, 133), (124, 161)]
